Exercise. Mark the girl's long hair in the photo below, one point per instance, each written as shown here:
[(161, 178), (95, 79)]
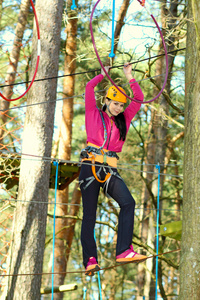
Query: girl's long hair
[(120, 123)]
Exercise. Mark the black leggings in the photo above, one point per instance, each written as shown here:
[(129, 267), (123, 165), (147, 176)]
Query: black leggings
[(118, 190)]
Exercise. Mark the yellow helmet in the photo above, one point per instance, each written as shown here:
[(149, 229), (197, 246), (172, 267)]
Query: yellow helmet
[(114, 94)]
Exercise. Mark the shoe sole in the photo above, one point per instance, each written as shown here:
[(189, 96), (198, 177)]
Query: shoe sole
[(124, 260), (92, 271)]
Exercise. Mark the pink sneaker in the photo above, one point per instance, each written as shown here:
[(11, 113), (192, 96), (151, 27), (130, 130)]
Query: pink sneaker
[(130, 255), (92, 266)]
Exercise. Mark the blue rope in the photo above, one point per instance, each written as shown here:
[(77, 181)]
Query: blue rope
[(112, 54), (55, 163), (157, 231), (99, 278), (84, 292), (73, 7), (99, 284)]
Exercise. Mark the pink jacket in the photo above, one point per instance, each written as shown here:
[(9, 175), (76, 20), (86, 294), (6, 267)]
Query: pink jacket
[(93, 121)]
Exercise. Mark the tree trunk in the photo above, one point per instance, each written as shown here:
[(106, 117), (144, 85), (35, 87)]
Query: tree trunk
[(190, 248), (30, 215), (169, 21), (64, 226), (156, 151), (14, 58)]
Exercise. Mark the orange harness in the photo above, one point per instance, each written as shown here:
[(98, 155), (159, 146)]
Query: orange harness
[(97, 155), (102, 156), (94, 171), (88, 154)]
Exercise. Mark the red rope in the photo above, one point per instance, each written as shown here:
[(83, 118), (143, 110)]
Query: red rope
[(38, 58)]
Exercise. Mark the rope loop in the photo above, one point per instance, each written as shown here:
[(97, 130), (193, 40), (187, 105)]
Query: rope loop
[(108, 76), (94, 171), (38, 58)]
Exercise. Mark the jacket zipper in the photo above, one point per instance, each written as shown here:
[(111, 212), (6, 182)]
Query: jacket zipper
[(110, 133)]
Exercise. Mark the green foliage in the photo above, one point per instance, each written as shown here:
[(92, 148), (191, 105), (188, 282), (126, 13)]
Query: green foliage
[(122, 281)]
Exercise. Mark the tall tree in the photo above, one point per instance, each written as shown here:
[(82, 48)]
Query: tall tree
[(30, 216), (64, 227), (190, 248), (156, 144)]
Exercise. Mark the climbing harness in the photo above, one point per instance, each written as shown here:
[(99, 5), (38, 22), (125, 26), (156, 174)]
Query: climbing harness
[(90, 152), (109, 171), (38, 58), (142, 2), (98, 151)]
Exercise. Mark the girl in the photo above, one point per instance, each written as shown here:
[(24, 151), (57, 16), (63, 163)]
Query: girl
[(106, 133)]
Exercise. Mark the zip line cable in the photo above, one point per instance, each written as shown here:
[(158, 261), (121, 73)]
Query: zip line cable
[(80, 205), (91, 71), (120, 167), (83, 271), (52, 159), (81, 95)]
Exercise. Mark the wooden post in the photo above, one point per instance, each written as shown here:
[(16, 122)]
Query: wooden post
[(59, 289)]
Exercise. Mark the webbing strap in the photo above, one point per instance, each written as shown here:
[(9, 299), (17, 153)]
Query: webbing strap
[(105, 130), (94, 172)]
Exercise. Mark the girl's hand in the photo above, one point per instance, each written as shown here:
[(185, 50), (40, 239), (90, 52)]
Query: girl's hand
[(107, 69), (127, 71)]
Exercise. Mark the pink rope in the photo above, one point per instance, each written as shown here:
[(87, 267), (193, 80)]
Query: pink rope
[(166, 57), (37, 62)]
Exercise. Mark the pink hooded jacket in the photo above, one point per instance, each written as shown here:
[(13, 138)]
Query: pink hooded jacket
[(93, 121)]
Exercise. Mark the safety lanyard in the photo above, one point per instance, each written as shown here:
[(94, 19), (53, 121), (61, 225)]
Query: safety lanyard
[(104, 126)]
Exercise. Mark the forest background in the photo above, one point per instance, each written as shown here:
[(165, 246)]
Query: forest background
[(48, 123)]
